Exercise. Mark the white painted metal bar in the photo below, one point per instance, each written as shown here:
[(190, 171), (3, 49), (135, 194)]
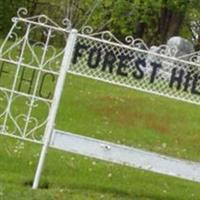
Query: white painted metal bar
[(7, 37), (40, 24), (29, 66), (125, 155), (22, 138), (57, 95), (36, 85), (16, 76), (25, 94)]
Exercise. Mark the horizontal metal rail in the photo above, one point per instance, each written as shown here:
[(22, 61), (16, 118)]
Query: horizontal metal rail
[(124, 155)]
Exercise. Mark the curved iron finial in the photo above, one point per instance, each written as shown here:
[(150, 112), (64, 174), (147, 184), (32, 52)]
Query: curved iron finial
[(22, 14)]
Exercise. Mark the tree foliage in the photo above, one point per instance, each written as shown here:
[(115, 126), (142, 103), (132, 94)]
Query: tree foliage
[(153, 21), (8, 9)]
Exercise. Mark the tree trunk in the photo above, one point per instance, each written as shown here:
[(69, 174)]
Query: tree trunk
[(170, 22)]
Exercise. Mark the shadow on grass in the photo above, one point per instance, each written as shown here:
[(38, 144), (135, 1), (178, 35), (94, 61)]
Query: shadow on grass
[(43, 185)]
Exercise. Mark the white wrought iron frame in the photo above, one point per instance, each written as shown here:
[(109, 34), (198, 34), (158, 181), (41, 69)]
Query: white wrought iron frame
[(107, 43), (41, 66)]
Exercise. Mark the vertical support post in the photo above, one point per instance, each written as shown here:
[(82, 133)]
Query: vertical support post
[(68, 53)]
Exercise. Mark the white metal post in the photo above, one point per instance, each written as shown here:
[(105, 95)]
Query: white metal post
[(68, 53)]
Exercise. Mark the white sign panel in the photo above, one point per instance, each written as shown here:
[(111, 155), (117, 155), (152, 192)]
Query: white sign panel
[(125, 155), (143, 70)]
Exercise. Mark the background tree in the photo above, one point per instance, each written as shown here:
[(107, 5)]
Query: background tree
[(153, 21), (8, 9)]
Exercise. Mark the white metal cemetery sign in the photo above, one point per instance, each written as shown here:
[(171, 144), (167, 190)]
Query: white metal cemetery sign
[(33, 69), (135, 67)]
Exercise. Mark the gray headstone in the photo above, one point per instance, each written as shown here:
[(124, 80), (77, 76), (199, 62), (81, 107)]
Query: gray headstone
[(182, 45), (183, 48)]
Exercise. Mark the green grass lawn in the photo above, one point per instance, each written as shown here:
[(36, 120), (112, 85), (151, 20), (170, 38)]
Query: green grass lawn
[(115, 114), (67, 176)]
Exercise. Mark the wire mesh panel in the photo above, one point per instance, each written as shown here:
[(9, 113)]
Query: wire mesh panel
[(137, 67), (30, 60)]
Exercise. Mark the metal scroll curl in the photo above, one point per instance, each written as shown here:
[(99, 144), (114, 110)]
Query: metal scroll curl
[(129, 41), (22, 14)]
